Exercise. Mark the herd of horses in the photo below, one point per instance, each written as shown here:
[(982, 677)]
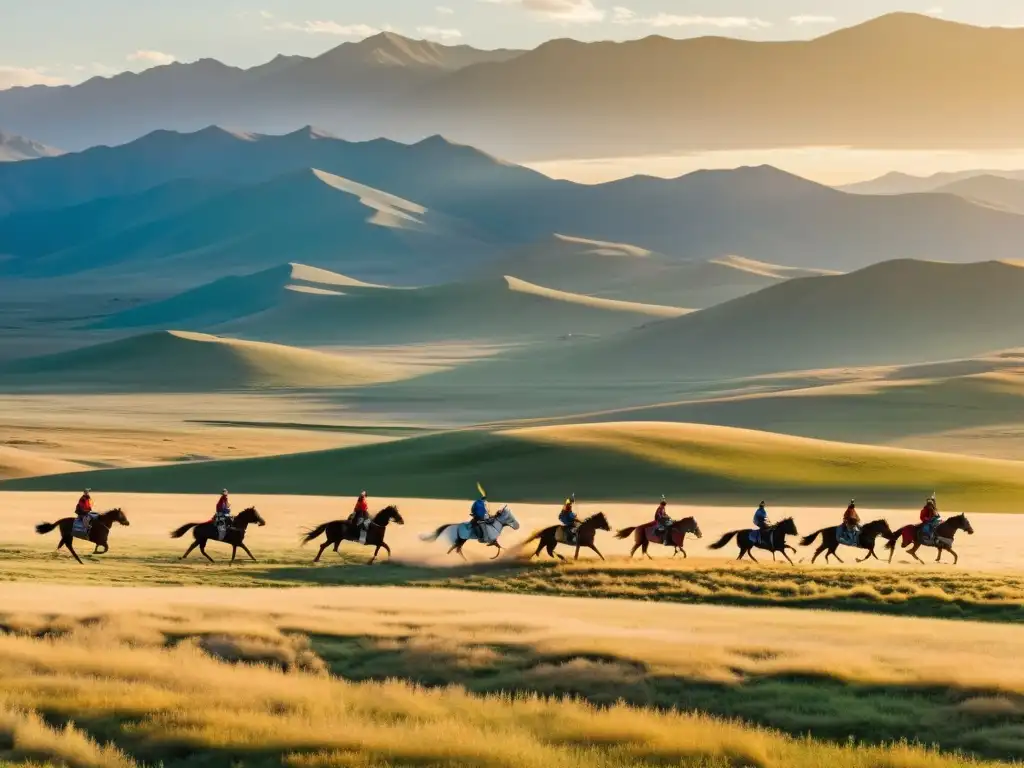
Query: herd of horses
[(773, 539)]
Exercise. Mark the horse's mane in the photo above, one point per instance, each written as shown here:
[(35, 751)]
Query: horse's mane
[(385, 512), (594, 517), (114, 511)]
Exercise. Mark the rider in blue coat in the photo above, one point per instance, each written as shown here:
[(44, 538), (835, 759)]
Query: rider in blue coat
[(567, 517), (761, 521), (479, 514)]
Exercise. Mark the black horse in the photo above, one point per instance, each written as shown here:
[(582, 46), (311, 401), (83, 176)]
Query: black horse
[(865, 540), (775, 535), (234, 536), (342, 530), (99, 532), (551, 537)]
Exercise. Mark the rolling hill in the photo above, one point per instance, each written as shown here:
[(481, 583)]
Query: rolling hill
[(176, 361), (998, 192), (629, 273), (16, 463), (624, 461), (503, 309)]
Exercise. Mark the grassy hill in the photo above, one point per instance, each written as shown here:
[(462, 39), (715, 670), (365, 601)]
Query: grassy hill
[(622, 461), (192, 362)]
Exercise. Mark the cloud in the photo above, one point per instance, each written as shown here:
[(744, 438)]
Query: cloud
[(153, 58), (444, 10), (809, 18), (438, 33), (330, 28), (11, 77), (935, 11), (573, 11), (621, 15)]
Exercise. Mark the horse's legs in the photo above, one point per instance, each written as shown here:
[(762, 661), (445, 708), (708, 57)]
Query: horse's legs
[(634, 549), (577, 557), (71, 549), (938, 557), (189, 550), (496, 544), (821, 549), (834, 553), (246, 550), (202, 549), (869, 555), (323, 546), (551, 551), (540, 547), (598, 551), (106, 548), (386, 549), (234, 552), (913, 553), (646, 546), (790, 561), (375, 553), (956, 557)]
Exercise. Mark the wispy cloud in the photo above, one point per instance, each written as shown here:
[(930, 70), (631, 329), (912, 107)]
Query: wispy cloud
[(11, 77), (335, 28), (152, 58), (444, 10), (807, 19), (438, 33), (572, 11), (623, 15)]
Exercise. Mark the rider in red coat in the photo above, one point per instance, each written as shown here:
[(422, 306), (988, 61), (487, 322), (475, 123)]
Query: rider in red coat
[(360, 516), (663, 521), (84, 507)]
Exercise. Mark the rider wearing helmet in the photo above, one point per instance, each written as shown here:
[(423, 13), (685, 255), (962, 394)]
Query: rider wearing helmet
[(479, 514), (223, 506), (851, 520), (930, 517), (761, 521), (567, 517), (84, 509), (360, 517), (663, 521)]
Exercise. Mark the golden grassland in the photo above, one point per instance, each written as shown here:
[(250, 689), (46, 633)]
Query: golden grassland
[(108, 677)]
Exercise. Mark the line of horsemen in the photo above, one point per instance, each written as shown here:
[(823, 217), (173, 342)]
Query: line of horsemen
[(567, 517)]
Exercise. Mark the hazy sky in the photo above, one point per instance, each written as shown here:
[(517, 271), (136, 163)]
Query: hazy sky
[(70, 40)]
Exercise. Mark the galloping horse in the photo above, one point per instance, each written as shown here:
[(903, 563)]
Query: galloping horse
[(342, 530), (460, 533), (865, 540), (776, 536), (942, 538), (235, 535), (555, 535), (99, 532), (646, 535)]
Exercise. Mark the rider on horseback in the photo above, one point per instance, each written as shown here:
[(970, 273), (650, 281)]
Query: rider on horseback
[(222, 515), (83, 510), (479, 514), (663, 521), (761, 521), (360, 517), (851, 520), (930, 518), (567, 517)]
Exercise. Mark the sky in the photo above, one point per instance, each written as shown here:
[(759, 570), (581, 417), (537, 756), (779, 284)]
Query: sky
[(57, 41)]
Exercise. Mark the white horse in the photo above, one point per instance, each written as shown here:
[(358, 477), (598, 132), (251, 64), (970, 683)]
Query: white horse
[(459, 533)]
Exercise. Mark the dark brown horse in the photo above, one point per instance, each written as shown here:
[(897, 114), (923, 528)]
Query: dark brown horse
[(773, 539), (99, 532), (556, 534), (648, 534), (866, 540), (942, 538), (235, 535), (342, 530)]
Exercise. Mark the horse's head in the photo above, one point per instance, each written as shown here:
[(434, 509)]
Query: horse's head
[(962, 523), (389, 515), (117, 516), (250, 516), (506, 518), (787, 527), (689, 525), (598, 522), (879, 527)]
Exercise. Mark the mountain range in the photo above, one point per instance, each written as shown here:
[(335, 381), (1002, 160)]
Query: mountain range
[(896, 81), (14, 148), (189, 208)]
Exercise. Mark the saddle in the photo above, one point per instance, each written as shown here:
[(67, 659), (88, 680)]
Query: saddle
[(567, 534), (223, 525), (82, 526), (845, 536)]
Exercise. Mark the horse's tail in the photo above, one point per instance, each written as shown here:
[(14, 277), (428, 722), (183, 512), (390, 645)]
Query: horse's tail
[(308, 536), (806, 541), (45, 527), (183, 530), (625, 533), (900, 533), (436, 534), (534, 536), (724, 540)]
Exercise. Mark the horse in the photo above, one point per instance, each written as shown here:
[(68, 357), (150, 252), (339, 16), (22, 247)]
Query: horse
[(235, 535), (865, 540), (555, 535), (342, 530), (942, 538), (776, 540), (646, 535), (99, 531), (460, 533)]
